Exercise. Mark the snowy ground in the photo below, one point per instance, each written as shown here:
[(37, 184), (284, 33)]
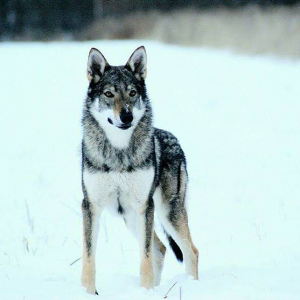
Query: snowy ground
[(237, 118)]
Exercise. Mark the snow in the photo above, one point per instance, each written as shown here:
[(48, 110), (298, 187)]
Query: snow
[(237, 118)]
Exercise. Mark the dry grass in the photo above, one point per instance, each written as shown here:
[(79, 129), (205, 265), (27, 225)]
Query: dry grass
[(248, 30)]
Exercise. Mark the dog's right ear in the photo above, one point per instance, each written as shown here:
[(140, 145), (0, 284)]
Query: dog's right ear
[(96, 65)]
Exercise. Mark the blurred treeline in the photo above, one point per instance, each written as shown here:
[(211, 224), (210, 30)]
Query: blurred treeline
[(47, 19)]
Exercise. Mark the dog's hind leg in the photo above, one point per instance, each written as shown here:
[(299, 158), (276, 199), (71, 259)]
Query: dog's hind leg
[(171, 211), (91, 216), (159, 251), (180, 232)]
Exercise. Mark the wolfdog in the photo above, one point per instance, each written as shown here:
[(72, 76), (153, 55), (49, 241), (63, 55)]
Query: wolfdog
[(131, 167)]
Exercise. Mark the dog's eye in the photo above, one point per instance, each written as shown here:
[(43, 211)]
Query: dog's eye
[(108, 94), (132, 93)]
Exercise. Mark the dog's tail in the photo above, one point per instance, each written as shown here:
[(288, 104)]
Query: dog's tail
[(177, 251)]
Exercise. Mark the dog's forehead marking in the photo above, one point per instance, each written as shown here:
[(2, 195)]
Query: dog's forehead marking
[(125, 79), (109, 87), (125, 86), (121, 87), (118, 81)]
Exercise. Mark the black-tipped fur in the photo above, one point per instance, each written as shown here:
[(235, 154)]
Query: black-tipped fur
[(177, 251)]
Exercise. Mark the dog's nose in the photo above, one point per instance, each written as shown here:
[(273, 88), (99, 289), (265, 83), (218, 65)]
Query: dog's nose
[(126, 117)]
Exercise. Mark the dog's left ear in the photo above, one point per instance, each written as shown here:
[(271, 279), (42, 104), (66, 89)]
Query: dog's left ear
[(137, 63)]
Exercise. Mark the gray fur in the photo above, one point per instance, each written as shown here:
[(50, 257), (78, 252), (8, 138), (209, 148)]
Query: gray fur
[(148, 148), (99, 152)]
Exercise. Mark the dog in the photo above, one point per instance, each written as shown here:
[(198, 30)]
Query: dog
[(131, 167)]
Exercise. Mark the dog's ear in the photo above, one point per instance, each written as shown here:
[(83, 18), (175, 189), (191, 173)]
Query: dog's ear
[(96, 65), (137, 63)]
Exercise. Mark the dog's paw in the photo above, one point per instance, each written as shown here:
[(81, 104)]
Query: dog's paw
[(92, 291), (147, 282), (90, 288)]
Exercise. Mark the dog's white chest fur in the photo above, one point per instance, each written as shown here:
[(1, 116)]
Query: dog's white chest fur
[(113, 188)]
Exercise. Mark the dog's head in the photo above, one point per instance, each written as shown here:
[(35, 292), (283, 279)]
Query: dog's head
[(117, 94)]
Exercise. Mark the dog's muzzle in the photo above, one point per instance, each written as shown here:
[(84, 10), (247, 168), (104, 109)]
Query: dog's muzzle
[(126, 118)]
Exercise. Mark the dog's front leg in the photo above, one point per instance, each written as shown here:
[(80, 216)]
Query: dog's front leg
[(91, 215), (146, 220)]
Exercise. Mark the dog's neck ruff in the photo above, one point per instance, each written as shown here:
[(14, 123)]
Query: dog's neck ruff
[(102, 152), (119, 139)]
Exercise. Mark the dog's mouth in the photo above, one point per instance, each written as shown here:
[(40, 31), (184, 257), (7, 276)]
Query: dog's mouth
[(123, 127)]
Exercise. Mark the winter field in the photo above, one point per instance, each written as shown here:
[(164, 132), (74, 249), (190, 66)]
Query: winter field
[(238, 120)]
